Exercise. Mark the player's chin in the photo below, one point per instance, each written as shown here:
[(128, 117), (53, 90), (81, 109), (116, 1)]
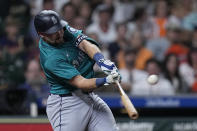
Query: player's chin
[(59, 41)]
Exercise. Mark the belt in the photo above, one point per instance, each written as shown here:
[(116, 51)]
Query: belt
[(70, 94), (87, 93), (63, 95)]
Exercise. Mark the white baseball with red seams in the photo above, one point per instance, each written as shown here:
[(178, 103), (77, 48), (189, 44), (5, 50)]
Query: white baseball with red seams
[(152, 79)]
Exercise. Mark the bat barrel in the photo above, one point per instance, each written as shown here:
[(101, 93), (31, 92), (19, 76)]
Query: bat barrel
[(134, 115), (127, 103)]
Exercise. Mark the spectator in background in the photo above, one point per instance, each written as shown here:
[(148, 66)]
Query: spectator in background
[(35, 85), (120, 44), (109, 4), (11, 59), (142, 23), (48, 4), (131, 75), (188, 5), (76, 3), (142, 54), (162, 87), (11, 33), (180, 44), (171, 71), (188, 70), (85, 12), (104, 28), (80, 23), (123, 11), (95, 3), (68, 12), (20, 10), (160, 19), (159, 46), (179, 11), (177, 14), (189, 21), (38, 5)]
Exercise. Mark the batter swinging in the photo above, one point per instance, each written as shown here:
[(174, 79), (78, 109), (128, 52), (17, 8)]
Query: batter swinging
[(67, 57)]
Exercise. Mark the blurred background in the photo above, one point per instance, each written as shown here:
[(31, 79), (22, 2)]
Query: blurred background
[(142, 37)]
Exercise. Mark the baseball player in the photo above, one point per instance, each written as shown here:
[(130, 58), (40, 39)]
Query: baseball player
[(67, 57)]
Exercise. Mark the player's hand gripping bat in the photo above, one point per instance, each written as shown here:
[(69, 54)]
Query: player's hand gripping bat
[(133, 114)]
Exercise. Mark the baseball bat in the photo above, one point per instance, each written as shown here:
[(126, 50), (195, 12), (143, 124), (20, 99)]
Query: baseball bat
[(133, 114)]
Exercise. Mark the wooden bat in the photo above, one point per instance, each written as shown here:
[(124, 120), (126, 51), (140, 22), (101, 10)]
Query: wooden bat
[(133, 114)]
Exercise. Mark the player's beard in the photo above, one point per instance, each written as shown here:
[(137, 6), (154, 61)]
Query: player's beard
[(58, 41), (55, 39)]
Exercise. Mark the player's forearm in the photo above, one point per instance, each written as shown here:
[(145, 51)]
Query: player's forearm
[(94, 52), (89, 48), (87, 84)]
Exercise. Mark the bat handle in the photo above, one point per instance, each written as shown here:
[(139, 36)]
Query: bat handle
[(120, 88)]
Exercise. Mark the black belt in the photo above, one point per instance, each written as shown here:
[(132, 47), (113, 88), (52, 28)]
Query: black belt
[(87, 93), (64, 95), (70, 94)]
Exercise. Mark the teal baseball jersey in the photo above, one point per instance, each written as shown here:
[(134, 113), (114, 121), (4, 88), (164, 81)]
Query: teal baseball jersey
[(61, 63)]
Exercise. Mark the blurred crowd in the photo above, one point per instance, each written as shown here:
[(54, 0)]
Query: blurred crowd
[(142, 37)]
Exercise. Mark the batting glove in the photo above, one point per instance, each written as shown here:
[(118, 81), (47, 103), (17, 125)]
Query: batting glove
[(113, 77), (107, 66)]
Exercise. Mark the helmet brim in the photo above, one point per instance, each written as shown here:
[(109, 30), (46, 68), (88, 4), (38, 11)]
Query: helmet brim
[(54, 29)]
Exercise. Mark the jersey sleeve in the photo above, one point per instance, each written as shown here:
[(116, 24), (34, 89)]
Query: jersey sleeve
[(60, 68), (76, 36)]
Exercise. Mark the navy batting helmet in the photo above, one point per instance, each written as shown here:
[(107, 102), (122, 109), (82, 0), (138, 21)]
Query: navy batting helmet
[(48, 22)]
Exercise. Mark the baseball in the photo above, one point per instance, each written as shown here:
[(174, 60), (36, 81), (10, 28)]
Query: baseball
[(152, 79)]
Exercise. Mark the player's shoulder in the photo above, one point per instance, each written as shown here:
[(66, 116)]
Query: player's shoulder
[(72, 30), (69, 29), (71, 34)]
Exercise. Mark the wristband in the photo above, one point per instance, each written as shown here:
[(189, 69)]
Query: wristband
[(97, 57), (100, 81)]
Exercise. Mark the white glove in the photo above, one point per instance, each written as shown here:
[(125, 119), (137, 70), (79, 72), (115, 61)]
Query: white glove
[(113, 77), (107, 66)]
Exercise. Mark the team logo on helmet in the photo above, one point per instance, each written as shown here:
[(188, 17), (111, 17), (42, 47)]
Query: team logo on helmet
[(54, 19)]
